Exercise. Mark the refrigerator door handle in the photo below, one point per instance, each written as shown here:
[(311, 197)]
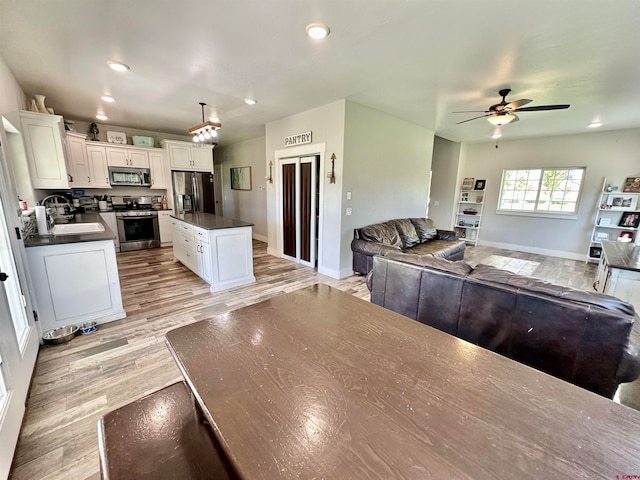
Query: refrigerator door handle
[(195, 201)]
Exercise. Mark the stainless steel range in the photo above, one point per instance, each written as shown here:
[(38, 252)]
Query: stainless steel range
[(137, 223)]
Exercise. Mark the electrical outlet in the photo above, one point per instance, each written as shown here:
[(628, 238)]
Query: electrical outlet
[(348, 211)]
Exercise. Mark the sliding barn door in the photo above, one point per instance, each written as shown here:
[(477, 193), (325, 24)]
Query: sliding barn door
[(299, 209)]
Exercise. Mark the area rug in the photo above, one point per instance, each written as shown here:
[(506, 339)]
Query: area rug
[(515, 265)]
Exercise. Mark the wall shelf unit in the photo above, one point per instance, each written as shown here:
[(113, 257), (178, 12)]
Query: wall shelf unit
[(469, 215), (617, 216)]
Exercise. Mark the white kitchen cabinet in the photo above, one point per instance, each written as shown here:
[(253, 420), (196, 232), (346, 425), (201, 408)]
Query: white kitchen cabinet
[(87, 162), (203, 253), (98, 169), (80, 177), (165, 226), (618, 272), (184, 246), (127, 157), (43, 137), (159, 170), (110, 219), (189, 156), (223, 257), (76, 283)]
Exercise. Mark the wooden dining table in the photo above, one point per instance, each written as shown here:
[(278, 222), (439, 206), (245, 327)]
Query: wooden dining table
[(317, 383)]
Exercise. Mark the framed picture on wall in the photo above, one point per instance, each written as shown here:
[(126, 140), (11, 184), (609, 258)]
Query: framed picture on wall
[(631, 184), (241, 178), (480, 184)]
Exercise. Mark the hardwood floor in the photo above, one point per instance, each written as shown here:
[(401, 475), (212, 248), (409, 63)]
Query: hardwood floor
[(76, 383)]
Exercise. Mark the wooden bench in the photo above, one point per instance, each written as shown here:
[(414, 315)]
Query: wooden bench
[(160, 436)]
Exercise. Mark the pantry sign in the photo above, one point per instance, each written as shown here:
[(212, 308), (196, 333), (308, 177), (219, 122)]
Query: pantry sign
[(299, 139)]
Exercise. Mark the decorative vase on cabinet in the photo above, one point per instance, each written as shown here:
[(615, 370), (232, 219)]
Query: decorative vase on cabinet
[(40, 103)]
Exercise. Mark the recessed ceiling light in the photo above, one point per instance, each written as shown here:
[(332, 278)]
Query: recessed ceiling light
[(317, 30), (595, 124), (118, 67), (250, 101), (102, 116), (108, 99)]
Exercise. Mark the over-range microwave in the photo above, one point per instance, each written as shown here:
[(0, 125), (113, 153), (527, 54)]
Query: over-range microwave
[(122, 176)]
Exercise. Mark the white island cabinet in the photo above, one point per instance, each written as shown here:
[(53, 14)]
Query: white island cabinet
[(217, 249), (75, 282)]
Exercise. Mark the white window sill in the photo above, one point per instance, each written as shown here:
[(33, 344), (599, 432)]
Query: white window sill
[(555, 216)]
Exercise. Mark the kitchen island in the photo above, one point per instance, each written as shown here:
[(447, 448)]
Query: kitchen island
[(217, 249), (619, 272), (75, 276)]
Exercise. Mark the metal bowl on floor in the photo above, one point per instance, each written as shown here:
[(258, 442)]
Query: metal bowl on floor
[(60, 335)]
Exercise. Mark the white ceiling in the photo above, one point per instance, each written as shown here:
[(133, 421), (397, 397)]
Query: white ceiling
[(418, 60)]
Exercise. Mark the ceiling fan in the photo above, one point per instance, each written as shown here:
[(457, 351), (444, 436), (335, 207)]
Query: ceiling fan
[(503, 112)]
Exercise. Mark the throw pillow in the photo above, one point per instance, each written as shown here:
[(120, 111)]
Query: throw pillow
[(407, 232), (425, 229)]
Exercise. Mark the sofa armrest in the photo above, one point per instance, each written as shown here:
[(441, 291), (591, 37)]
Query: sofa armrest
[(447, 235), (629, 366), (371, 248), (370, 280)]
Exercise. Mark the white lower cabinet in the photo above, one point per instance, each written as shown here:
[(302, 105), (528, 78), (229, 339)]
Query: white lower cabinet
[(203, 252), (222, 257), (75, 283), (165, 226)]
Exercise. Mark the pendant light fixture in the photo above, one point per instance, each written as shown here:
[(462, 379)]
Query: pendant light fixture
[(205, 132)]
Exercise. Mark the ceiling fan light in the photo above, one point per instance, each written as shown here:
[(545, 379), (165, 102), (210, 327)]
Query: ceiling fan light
[(497, 134), (502, 119)]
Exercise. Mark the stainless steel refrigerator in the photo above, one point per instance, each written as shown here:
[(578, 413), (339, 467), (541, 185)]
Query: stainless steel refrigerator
[(193, 192)]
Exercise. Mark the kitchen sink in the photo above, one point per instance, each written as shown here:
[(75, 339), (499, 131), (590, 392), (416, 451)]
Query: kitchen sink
[(76, 228)]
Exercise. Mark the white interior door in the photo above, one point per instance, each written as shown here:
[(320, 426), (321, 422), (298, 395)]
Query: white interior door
[(298, 209), (19, 339)]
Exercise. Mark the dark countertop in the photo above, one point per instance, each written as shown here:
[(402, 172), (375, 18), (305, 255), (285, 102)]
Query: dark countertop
[(211, 222), (43, 240), (625, 256)]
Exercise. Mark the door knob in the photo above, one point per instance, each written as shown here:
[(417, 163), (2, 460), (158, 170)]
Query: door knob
[(3, 276)]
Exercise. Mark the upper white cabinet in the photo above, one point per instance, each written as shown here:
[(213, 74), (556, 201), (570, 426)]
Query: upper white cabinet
[(189, 156), (43, 137), (87, 163), (127, 157), (77, 155), (159, 170), (98, 168)]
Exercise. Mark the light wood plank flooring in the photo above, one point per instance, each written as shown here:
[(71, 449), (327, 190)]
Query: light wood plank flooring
[(76, 383)]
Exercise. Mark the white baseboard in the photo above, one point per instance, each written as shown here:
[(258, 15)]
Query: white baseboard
[(539, 251), (272, 251), (261, 238), (337, 274)]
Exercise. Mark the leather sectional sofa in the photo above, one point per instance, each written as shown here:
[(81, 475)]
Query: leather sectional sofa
[(578, 336), (406, 235)]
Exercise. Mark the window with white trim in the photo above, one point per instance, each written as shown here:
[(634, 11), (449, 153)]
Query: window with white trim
[(548, 191)]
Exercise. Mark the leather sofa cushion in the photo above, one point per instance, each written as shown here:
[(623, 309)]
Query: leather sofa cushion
[(425, 229), (535, 285), (439, 248), (442, 264), (407, 232), (384, 233)]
